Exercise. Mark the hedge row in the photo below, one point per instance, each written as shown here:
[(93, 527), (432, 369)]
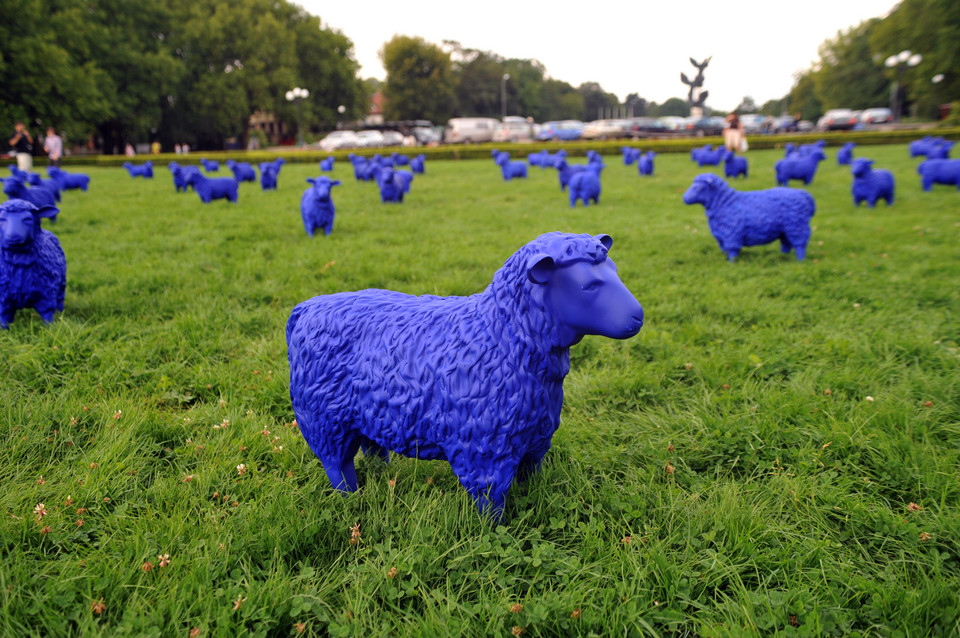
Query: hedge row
[(480, 151)]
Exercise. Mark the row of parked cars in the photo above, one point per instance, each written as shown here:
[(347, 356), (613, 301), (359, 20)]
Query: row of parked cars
[(848, 119), (373, 138)]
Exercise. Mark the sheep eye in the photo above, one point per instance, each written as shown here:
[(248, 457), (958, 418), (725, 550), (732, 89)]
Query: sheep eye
[(593, 286)]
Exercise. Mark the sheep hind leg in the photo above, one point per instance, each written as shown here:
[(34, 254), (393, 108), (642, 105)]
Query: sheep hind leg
[(785, 245), (341, 471)]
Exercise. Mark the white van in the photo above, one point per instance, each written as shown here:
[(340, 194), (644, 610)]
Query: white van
[(462, 130)]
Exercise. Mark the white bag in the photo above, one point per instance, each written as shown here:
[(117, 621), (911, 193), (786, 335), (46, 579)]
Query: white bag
[(743, 145)]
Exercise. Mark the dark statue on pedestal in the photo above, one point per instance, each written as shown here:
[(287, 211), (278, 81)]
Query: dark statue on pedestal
[(696, 97)]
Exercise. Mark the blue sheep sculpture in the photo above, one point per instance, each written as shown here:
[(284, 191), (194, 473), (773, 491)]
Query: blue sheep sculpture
[(845, 154), (566, 171), (68, 181), (50, 185), (418, 164), (404, 178), (326, 164), (585, 186), (941, 150), (33, 268), (739, 219), (211, 188), (16, 188), (211, 166), (870, 184), (144, 170), (925, 145), (645, 163), (242, 171), (475, 381), (399, 159), (540, 158), (630, 155), (179, 177), (734, 165), (364, 170), (268, 176), (709, 156), (316, 205), (939, 171), (798, 166), (391, 187), (511, 169)]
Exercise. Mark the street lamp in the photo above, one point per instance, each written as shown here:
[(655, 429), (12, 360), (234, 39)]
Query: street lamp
[(503, 95), (900, 62), (298, 95)]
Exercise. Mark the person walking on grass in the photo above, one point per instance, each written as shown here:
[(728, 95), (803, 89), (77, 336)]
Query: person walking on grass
[(53, 145), (733, 137), (22, 143)]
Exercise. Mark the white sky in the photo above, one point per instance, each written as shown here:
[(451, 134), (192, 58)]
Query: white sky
[(627, 46)]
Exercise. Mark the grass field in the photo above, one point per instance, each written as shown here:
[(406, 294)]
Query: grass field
[(776, 453)]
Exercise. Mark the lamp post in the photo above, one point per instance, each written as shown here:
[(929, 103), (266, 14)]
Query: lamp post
[(298, 95), (900, 62), (503, 96)]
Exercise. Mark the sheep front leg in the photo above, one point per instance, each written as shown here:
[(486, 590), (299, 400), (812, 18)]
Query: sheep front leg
[(46, 311), (341, 471), (6, 317)]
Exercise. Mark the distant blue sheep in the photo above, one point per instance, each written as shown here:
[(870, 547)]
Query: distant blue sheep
[(510, 169), (15, 188), (630, 155), (707, 155), (68, 181), (939, 171), (566, 171), (645, 163), (417, 164), (399, 159), (555, 159), (316, 206), (242, 171), (845, 154), (541, 158), (870, 185), (211, 166), (941, 150), (144, 170), (734, 166), (498, 156), (326, 164), (33, 268), (585, 186), (404, 178), (798, 166), (211, 188), (179, 177), (739, 219), (923, 146), (391, 187), (427, 377), (364, 170), (47, 184), (268, 176)]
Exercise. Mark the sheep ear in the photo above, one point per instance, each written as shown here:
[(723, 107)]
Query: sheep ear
[(311, 180), (335, 182), (606, 240), (48, 211), (540, 267)]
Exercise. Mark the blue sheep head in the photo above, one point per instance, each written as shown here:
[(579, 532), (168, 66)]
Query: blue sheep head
[(704, 190), (581, 291), (861, 167), (19, 221), (322, 185)]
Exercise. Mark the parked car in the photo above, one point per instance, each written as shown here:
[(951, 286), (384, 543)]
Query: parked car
[(673, 122), (392, 138), (604, 130), (876, 116), (701, 126), (562, 130), (466, 130), (752, 122), (337, 140), (646, 127), (513, 131), (426, 135), (369, 139), (837, 120)]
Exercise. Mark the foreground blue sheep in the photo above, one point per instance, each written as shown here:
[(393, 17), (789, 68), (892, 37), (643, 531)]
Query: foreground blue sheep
[(316, 206), (939, 171), (33, 268), (475, 381), (739, 219), (870, 185), (144, 170)]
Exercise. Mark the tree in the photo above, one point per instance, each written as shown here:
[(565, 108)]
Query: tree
[(420, 83), (560, 101), (636, 106), (596, 102), (773, 107), (803, 98), (849, 75), (674, 106), (747, 105)]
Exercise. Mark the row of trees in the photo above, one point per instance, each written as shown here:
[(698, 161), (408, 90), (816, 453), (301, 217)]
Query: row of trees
[(851, 72), (170, 70)]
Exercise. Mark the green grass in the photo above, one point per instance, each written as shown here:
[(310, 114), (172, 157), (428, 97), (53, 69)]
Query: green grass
[(746, 465)]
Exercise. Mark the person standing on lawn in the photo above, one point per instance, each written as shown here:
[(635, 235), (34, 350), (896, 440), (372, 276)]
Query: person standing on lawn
[(22, 143)]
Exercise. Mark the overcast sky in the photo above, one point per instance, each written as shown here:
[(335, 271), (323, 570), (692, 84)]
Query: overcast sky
[(634, 46)]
